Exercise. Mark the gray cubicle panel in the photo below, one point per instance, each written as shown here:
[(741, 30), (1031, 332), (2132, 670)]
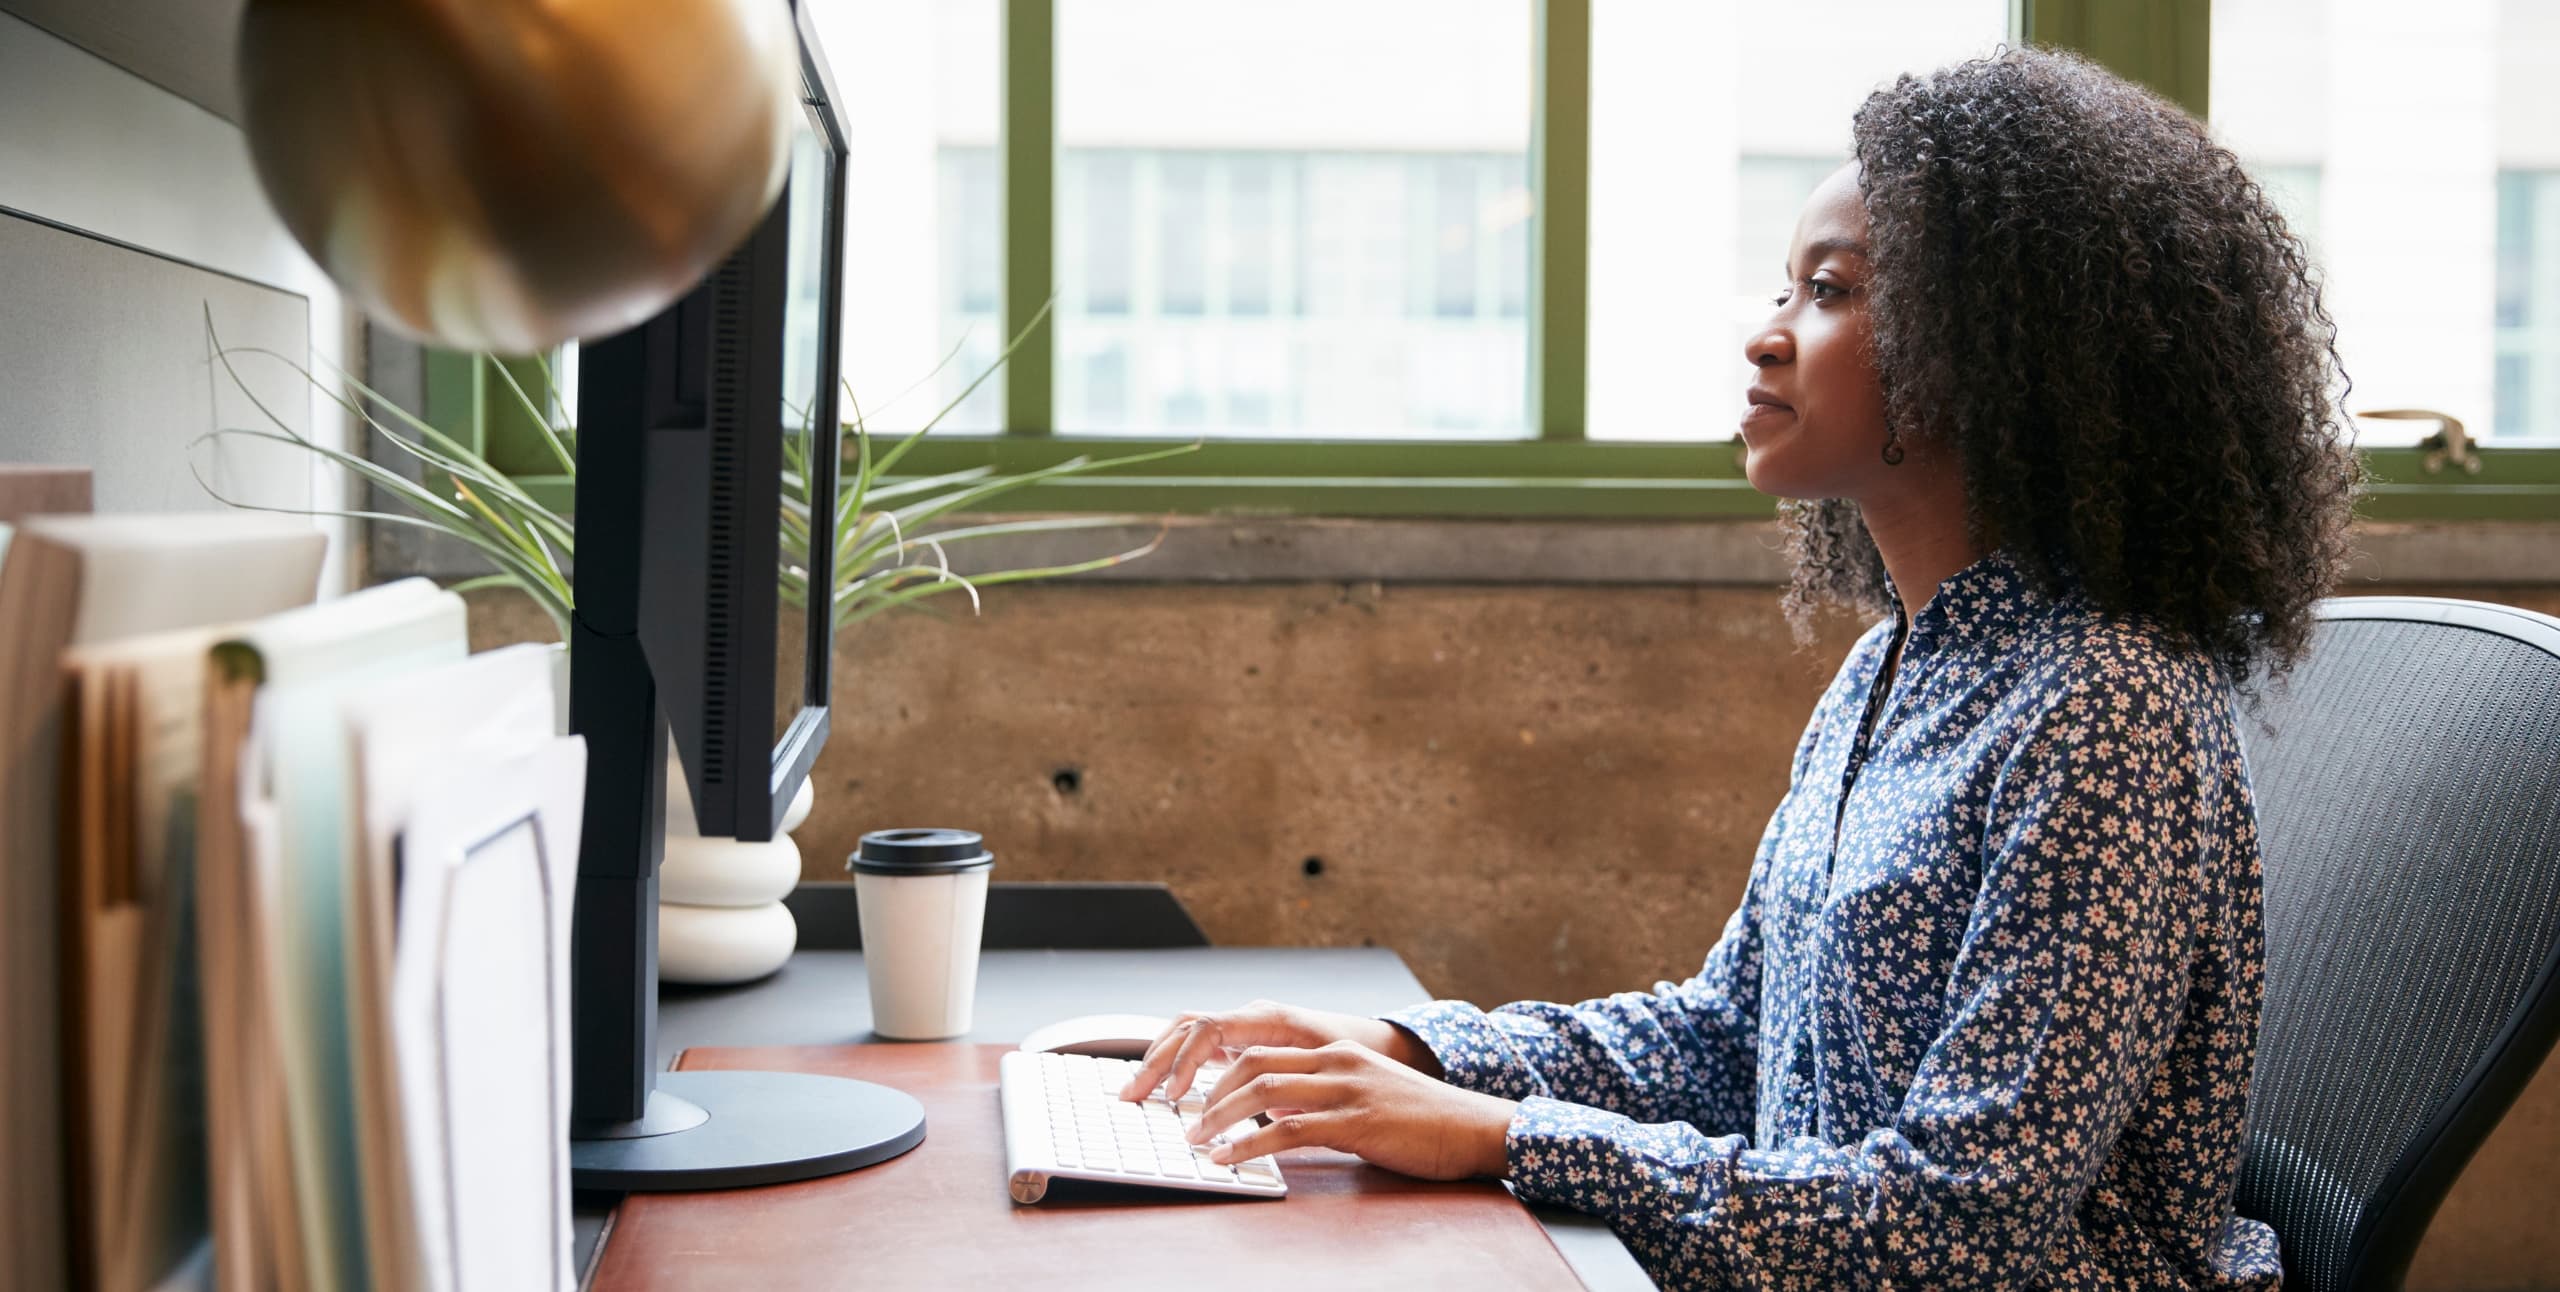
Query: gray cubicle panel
[(105, 363)]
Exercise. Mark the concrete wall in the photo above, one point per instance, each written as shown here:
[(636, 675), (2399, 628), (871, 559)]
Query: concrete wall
[(1543, 790)]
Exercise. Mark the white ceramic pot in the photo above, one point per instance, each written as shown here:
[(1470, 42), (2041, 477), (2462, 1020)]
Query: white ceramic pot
[(720, 912), (723, 944)]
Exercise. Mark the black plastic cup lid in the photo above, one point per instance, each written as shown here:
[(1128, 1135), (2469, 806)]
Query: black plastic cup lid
[(919, 852)]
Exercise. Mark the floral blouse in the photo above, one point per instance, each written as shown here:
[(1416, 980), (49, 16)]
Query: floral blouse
[(1986, 1012)]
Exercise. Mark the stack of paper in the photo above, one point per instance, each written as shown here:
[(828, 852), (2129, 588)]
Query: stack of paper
[(82, 582), (284, 951), (288, 803), (387, 801), (469, 808)]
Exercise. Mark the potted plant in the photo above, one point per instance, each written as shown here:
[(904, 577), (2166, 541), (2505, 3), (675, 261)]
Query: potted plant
[(886, 556), (720, 915)]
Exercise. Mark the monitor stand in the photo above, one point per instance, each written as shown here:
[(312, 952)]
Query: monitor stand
[(721, 1130), (696, 1130)]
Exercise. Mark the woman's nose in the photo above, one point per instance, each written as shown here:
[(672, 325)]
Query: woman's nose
[(1772, 346)]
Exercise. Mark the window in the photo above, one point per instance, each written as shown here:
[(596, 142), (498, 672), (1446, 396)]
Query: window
[(1769, 191), (2413, 146), (2527, 329), (1101, 199), (1252, 252), (924, 265), (1329, 257), (1106, 380), (974, 272), (2295, 189), (1453, 238), (1323, 238), (1709, 126), (1184, 204)]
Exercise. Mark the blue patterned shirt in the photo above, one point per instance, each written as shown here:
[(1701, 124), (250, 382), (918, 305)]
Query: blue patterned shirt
[(1986, 1013)]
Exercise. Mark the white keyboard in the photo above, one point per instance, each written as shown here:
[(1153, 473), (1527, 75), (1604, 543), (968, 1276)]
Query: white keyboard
[(1064, 1119)]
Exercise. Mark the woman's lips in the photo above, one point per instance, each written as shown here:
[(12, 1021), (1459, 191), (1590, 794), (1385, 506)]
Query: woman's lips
[(1765, 416)]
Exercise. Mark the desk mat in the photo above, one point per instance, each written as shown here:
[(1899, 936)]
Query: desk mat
[(939, 1217)]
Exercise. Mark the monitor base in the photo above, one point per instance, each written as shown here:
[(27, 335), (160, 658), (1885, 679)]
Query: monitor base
[(758, 1128)]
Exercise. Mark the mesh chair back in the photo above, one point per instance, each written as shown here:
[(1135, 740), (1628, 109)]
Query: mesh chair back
[(2408, 792)]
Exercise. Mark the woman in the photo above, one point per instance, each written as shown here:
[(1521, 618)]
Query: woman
[(2050, 369)]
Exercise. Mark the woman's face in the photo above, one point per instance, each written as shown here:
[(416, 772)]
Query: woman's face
[(1815, 426)]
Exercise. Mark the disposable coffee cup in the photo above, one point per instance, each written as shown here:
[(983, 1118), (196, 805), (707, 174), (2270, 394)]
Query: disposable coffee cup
[(923, 895)]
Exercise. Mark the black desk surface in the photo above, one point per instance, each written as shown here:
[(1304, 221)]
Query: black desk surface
[(822, 998)]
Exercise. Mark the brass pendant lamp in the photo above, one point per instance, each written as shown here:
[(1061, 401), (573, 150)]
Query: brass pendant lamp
[(510, 174)]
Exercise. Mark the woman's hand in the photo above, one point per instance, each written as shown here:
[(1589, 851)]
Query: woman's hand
[(1197, 1038), (1348, 1097)]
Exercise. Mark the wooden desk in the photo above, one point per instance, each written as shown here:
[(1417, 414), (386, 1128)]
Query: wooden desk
[(822, 998), (938, 1216)]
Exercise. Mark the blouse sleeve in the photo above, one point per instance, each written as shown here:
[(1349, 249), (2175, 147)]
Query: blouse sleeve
[(2065, 993), (1681, 1052)]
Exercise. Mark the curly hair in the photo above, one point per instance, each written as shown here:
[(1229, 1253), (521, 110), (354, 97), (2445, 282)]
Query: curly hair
[(2122, 340)]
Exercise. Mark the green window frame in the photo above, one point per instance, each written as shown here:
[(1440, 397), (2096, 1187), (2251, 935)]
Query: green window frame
[(1558, 471), (467, 397)]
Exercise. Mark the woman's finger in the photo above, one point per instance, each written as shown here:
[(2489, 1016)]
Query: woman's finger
[(1152, 1064), (1263, 1093), (1250, 1083), (1255, 1060), (1159, 1057), (1207, 1039), (1303, 1130)]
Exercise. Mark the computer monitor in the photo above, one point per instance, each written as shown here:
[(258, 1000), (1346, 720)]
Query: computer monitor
[(692, 537)]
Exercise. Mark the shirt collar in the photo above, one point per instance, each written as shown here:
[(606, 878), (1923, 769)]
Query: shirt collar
[(1979, 601)]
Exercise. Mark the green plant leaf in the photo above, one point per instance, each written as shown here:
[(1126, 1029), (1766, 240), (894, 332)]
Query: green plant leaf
[(452, 457), (875, 561), (554, 600), (890, 459), (909, 516), (927, 484), (541, 422), (1042, 525)]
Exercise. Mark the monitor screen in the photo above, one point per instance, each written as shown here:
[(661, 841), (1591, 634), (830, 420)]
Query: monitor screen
[(706, 535), (808, 422), (714, 451)]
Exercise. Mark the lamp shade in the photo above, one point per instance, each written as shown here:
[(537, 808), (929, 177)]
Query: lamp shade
[(510, 174)]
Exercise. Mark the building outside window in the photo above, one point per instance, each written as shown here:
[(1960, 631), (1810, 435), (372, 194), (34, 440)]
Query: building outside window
[(2414, 146), (1263, 229), (2527, 332), (1710, 123)]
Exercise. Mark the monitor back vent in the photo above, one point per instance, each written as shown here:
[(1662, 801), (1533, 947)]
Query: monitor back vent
[(727, 390)]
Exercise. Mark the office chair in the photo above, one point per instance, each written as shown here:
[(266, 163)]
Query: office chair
[(2408, 794)]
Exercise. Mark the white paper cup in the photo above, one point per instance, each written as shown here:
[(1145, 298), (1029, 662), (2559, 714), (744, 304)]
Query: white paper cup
[(923, 895)]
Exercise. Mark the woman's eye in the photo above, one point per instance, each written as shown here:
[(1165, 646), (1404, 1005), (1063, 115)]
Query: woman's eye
[(1822, 291)]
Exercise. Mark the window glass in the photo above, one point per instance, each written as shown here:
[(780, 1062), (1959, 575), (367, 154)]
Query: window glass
[(1183, 205), (924, 231), (1100, 192), (2417, 148), (1710, 123), (1253, 235), (1282, 230)]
